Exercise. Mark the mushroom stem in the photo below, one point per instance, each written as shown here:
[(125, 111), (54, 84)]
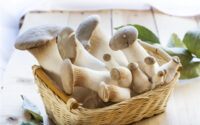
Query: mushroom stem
[(70, 47), (73, 75), (171, 68), (152, 69), (113, 93), (109, 61), (98, 42), (49, 58), (120, 75), (140, 81)]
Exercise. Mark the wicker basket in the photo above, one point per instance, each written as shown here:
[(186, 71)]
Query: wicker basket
[(62, 111)]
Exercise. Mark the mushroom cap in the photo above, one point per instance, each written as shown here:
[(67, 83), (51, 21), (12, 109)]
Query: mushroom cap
[(106, 57), (115, 74), (36, 37), (66, 42), (67, 76), (86, 28), (133, 66), (149, 60), (123, 38)]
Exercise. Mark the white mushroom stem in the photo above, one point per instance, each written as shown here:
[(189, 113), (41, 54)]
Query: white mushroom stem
[(49, 58), (80, 76), (125, 39), (70, 47), (113, 93), (140, 81), (98, 42), (110, 62), (152, 69), (171, 68), (120, 75)]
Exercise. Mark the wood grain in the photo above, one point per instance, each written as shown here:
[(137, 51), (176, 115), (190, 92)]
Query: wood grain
[(76, 17), (170, 24), (46, 18), (123, 17)]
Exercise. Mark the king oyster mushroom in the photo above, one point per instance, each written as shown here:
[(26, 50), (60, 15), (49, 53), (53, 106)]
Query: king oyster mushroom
[(41, 43), (125, 39), (171, 68), (96, 42), (140, 82)]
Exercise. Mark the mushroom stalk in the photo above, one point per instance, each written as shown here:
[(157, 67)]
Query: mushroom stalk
[(113, 93), (110, 62), (171, 68), (97, 42), (73, 75), (70, 47), (140, 81), (152, 69), (120, 75)]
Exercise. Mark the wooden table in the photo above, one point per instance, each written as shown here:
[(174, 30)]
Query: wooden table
[(183, 107)]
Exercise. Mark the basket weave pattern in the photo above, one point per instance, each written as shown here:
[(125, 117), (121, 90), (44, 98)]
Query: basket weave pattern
[(132, 110)]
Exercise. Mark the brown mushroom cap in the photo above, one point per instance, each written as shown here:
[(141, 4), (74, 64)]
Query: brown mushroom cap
[(66, 42), (150, 60), (86, 28), (36, 37), (123, 38), (132, 66)]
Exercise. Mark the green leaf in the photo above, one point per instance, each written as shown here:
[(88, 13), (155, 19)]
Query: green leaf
[(175, 41), (32, 109), (191, 70), (144, 34), (32, 122), (184, 55), (192, 41)]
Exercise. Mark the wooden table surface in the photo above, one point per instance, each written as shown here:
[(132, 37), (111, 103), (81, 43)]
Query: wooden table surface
[(183, 107)]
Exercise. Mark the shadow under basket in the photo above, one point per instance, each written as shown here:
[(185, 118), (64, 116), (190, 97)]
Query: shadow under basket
[(64, 110)]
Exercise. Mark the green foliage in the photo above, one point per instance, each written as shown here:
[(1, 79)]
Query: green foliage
[(175, 41), (36, 118), (192, 41), (191, 70), (144, 34), (184, 55)]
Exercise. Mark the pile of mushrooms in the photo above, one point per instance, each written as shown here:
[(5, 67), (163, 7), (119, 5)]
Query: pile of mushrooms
[(92, 68)]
